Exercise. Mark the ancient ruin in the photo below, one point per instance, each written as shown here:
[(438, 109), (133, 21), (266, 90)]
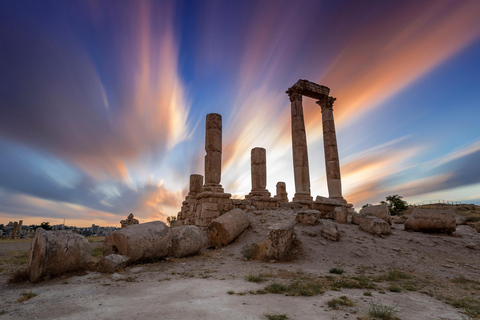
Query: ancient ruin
[(17, 229), (208, 201), (129, 221)]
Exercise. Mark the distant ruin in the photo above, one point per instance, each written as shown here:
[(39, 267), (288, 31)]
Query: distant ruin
[(207, 201)]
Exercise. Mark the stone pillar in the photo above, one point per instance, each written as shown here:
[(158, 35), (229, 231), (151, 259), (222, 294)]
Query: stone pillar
[(281, 192), (332, 163), (299, 147), (259, 173), (196, 183), (19, 228), (213, 158), (14, 230)]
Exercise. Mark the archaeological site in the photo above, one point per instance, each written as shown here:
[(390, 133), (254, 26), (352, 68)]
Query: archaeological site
[(300, 256)]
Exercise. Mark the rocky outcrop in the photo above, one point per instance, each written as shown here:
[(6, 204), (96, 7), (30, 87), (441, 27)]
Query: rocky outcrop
[(143, 241), (431, 220), (56, 252), (227, 227)]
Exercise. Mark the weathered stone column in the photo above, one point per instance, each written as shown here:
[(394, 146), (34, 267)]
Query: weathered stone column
[(213, 158), (299, 147), (282, 192), (332, 163), (259, 173)]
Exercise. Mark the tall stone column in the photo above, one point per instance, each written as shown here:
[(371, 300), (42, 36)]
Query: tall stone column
[(213, 158), (299, 147), (259, 173), (332, 163)]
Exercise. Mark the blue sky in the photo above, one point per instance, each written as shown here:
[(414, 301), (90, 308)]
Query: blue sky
[(103, 103)]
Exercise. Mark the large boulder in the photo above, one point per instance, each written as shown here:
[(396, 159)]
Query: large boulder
[(279, 239), (380, 211), (142, 241), (227, 227), (186, 241), (375, 226), (431, 220), (56, 252)]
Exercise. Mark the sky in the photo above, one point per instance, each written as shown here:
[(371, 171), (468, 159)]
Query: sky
[(103, 103)]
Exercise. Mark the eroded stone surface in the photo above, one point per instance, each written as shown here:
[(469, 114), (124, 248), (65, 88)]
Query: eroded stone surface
[(308, 216), (279, 239), (112, 263), (431, 220), (330, 230), (375, 226), (227, 227), (186, 241), (380, 211)]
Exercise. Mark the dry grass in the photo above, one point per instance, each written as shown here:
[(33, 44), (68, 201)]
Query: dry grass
[(27, 295)]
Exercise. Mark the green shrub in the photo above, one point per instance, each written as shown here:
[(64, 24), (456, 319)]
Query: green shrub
[(337, 270), (381, 312)]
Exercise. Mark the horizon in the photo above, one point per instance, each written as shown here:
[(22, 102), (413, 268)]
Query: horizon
[(103, 105)]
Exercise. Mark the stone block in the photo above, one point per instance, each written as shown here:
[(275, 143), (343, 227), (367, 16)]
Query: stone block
[(227, 227), (375, 226), (431, 220), (340, 215), (112, 263), (53, 253), (380, 211), (279, 239), (357, 218), (308, 216), (330, 230)]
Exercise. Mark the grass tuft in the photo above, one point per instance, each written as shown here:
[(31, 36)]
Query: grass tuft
[(378, 311), (394, 288), (257, 278), (98, 251), (394, 275), (341, 301), (26, 296), (276, 316), (337, 270)]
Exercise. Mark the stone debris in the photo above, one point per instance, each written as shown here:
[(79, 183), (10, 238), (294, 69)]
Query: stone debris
[(357, 218), (54, 253), (472, 246), (227, 227), (129, 221), (330, 230), (279, 239), (431, 220), (308, 216), (143, 241), (186, 241), (380, 211), (375, 226), (340, 215), (112, 263)]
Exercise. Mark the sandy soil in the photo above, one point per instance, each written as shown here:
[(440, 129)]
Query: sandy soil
[(440, 266)]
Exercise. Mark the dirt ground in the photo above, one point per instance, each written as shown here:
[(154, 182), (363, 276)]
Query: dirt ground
[(416, 275)]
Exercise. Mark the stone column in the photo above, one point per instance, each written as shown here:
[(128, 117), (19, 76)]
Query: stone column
[(299, 147), (259, 173), (14, 230), (213, 158), (282, 192), (332, 163), (19, 228)]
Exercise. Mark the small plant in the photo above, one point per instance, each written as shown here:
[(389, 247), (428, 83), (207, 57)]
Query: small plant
[(242, 293), (19, 276), (381, 312), (394, 274), (26, 296), (394, 288), (231, 292), (276, 287), (258, 278), (337, 270), (367, 293), (276, 316), (342, 301)]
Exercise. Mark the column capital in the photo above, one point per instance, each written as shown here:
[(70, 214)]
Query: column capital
[(294, 95), (326, 102)]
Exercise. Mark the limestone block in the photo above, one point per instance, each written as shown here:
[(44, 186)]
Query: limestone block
[(186, 241), (112, 263), (196, 183), (308, 216), (431, 220), (330, 230), (375, 226), (56, 252), (279, 239), (357, 218), (140, 241), (340, 215), (227, 227), (380, 211)]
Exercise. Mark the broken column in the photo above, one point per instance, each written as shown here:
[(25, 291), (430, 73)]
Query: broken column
[(282, 194), (332, 163), (299, 148), (213, 158), (259, 173)]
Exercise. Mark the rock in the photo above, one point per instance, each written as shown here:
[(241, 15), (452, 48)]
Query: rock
[(460, 220), (143, 241), (56, 252), (430, 220), (340, 214), (375, 226), (471, 246), (308, 216), (330, 230), (399, 219), (186, 241), (380, 211), (227, 227), (357, 218), (466, 230), (129, 221), (112, 263), (279, 239)]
